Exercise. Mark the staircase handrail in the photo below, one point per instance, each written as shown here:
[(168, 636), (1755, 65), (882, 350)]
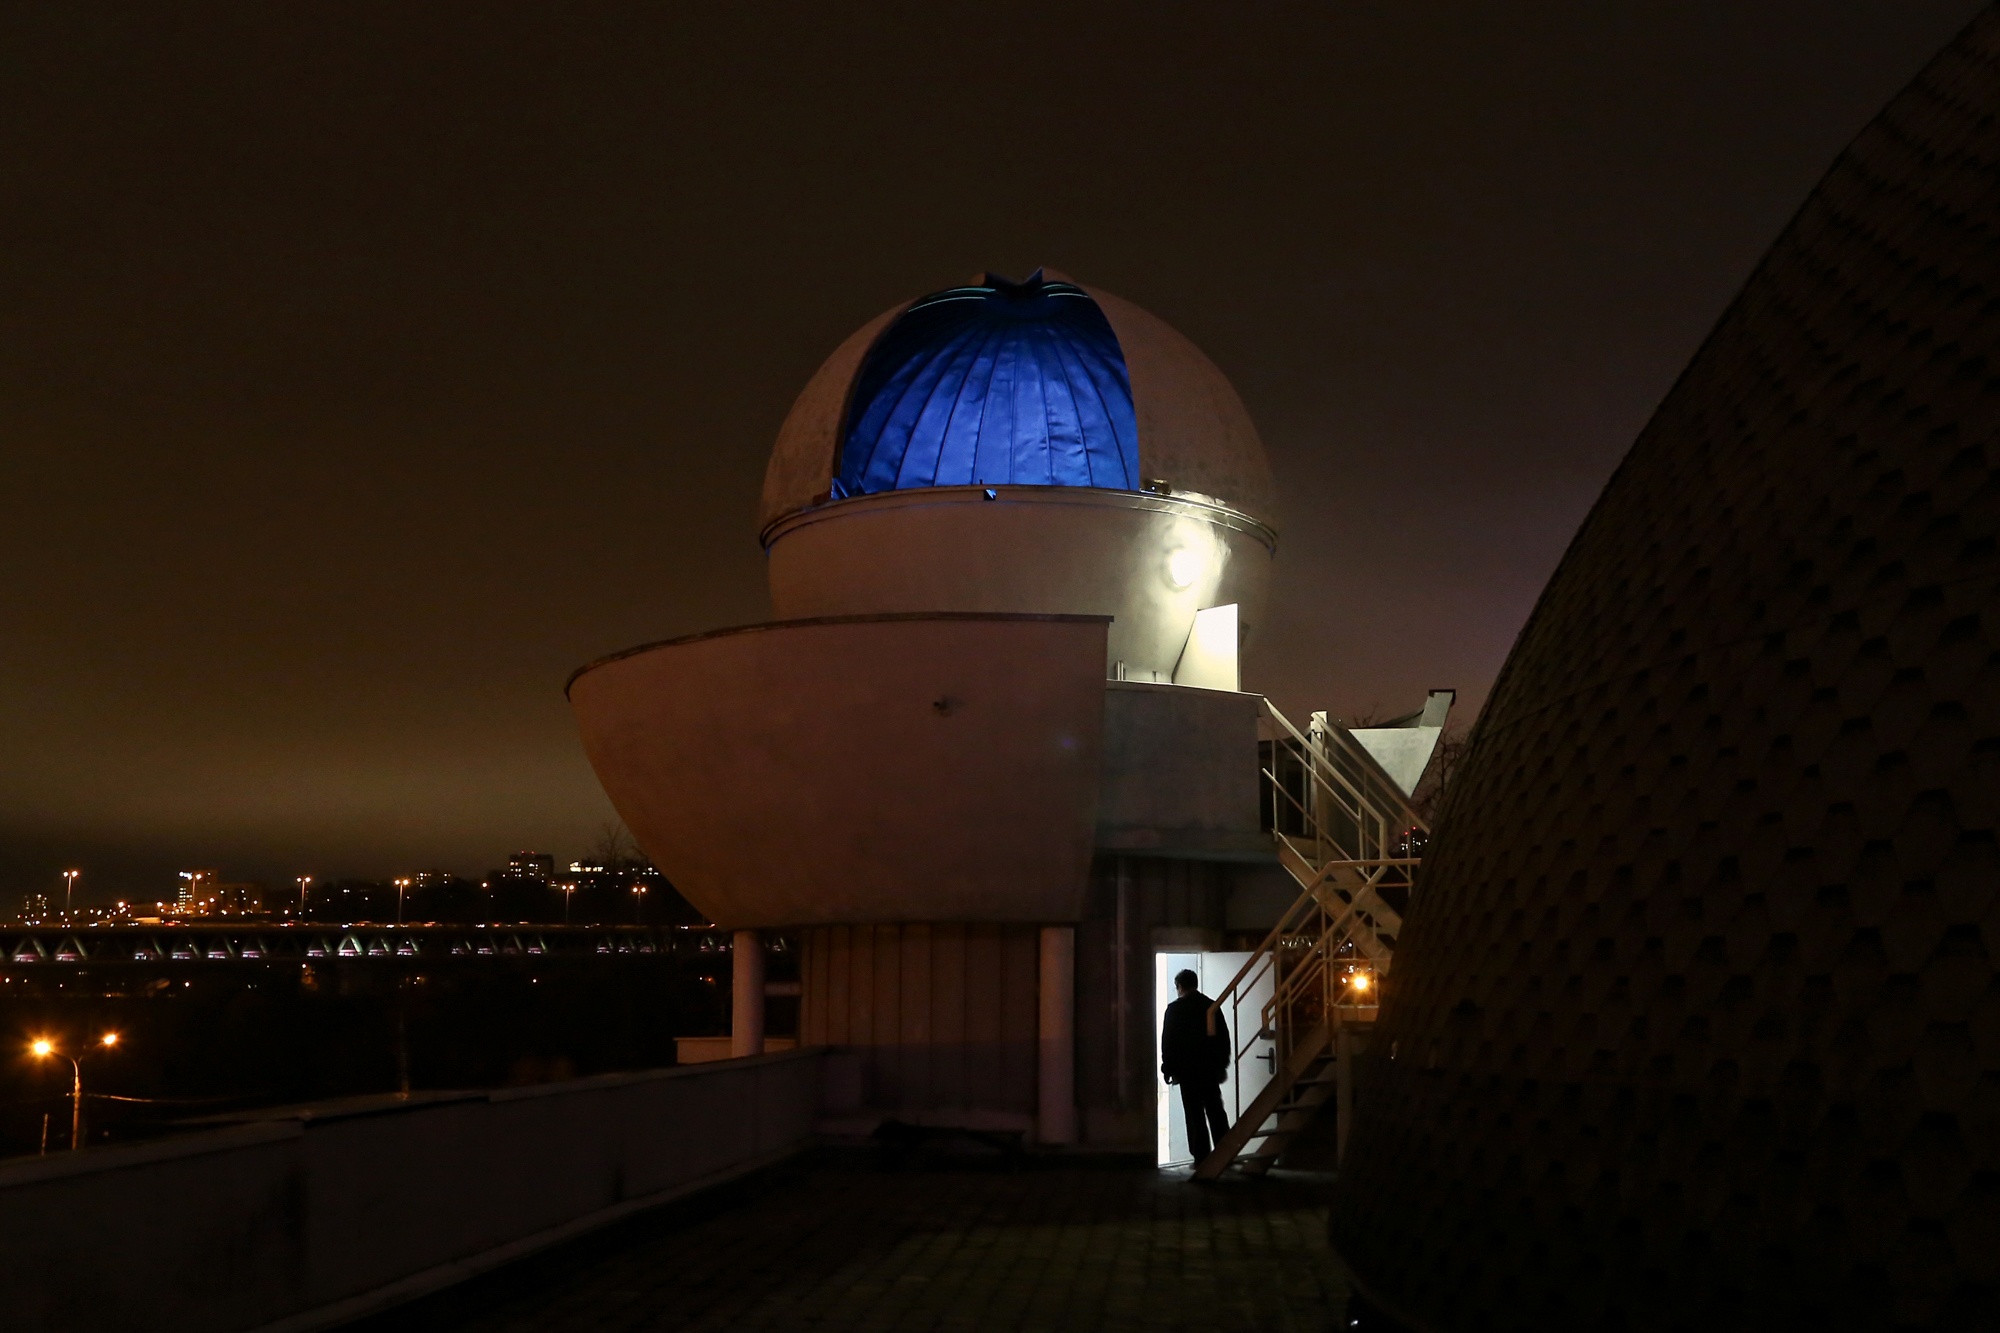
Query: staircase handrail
[(1340, 872), (1265, 953), (1342, 772)]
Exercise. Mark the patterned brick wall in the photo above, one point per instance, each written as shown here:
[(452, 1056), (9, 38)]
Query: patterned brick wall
[(1695, 1022)]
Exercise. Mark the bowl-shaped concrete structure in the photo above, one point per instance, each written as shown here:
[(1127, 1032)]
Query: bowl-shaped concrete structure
[(916, 768), (1694, 1021)]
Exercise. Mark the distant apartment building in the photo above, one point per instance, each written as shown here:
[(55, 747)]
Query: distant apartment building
[(203, 893), (529, 865), (196, 886)]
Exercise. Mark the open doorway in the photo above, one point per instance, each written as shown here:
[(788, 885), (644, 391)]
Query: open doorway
[(1242, 1013)]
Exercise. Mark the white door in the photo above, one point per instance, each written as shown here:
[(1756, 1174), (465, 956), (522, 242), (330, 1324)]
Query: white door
[(1243, 1015)]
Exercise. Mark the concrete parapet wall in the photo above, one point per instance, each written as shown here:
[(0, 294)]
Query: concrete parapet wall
[(305, 1222), (1181, 776)]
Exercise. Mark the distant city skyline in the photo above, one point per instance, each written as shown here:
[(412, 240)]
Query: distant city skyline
[(143, 886)]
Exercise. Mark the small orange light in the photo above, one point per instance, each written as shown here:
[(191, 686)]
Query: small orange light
[(1361, 981), (43, 1048), (109, 1039)]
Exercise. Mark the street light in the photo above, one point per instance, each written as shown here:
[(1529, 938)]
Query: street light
[(401, 884), (639, 904), (42, 1048), (70, 878), (568, 891), (304, 882)]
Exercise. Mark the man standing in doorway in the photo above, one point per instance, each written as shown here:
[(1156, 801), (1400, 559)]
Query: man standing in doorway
[(1197, 1060)]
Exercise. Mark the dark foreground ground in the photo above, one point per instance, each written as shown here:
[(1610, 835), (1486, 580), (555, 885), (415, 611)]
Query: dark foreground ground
[(839, 1241)]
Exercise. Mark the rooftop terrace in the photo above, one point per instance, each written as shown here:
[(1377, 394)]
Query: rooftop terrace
[(842, 1240)]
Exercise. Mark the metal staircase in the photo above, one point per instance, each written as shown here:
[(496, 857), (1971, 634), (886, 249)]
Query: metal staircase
[(1346, 832)]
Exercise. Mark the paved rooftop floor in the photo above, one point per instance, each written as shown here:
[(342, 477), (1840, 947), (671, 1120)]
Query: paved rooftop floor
[(837, 1241)]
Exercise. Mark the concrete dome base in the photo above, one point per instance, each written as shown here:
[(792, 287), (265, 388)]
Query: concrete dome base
[(1027, 550)]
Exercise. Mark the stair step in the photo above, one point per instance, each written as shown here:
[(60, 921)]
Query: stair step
[(1279, 1106)]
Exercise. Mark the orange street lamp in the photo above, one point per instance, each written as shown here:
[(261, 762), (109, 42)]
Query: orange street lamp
[(305, 882), (401, 884), (639, 904), (569, 891), (70, 878), (42, 1048)]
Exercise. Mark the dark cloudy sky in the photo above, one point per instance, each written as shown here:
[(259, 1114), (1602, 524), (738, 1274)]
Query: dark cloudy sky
[(365, 368)]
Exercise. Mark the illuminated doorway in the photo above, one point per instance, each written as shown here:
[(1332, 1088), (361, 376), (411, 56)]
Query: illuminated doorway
[(1241, 1012)]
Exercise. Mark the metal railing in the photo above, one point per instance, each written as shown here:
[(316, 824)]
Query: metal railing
[(1312, 967), (1347, 834), (1323, 789)]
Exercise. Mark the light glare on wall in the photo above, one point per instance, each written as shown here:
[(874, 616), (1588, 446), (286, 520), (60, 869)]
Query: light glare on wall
[(1184, 566)]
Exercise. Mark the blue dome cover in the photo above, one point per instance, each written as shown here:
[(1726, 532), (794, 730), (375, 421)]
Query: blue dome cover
[(1004, 383)]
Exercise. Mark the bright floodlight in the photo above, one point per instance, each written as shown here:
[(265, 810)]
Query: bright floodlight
[(1184, 566), (43, 1048), (1361, 981), (109, 1039)]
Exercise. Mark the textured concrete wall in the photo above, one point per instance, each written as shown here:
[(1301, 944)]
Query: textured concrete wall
[(940, 1017), (1186, 898), (1695, 1022), (1180, 773), (307, 1222)]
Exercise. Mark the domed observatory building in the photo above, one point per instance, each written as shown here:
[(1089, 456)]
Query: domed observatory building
[(992, 763), (981, 450)]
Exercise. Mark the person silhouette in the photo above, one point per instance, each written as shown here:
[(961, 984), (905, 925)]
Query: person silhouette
[(1197, 1061)]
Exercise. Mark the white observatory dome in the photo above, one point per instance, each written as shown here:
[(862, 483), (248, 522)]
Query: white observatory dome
[(1037, 447)]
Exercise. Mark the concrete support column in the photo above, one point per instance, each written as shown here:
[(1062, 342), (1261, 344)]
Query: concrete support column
[(746, 1010), (1056, 1080)]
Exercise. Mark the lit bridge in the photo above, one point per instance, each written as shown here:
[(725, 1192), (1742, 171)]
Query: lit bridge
[(255, 942)]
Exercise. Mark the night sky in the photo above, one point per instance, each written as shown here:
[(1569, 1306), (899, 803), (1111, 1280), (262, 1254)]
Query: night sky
[(364, 369)]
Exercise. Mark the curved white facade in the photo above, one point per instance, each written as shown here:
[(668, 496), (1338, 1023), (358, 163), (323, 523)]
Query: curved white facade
[(856, 769), (1149, 562)]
